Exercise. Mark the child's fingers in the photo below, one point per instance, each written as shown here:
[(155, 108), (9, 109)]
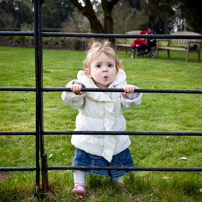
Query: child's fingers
[(129, 89), (76, 88)]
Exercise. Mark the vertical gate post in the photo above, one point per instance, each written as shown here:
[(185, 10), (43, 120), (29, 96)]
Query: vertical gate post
[(39, 86), (44, 173), (37, 92)]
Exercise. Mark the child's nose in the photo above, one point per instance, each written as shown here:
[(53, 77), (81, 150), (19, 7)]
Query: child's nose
[(105, 69)]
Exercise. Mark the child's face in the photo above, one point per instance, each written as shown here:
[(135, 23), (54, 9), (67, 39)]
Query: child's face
[(103, 70)]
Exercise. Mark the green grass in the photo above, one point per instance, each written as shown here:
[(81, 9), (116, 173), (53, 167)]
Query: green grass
[(158, 112)]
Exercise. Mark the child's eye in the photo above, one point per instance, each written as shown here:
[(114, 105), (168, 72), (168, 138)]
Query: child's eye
[(110, 65), (98, 66)]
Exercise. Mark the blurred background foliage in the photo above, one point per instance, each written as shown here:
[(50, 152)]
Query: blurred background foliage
[(102, 16)]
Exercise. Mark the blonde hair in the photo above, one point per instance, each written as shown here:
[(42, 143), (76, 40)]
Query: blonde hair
[(96, 49)]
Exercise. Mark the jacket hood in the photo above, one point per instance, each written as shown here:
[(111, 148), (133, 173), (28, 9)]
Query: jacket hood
[(101, 96)]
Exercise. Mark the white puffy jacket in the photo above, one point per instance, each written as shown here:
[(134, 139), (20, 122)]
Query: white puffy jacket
[(99, 111)]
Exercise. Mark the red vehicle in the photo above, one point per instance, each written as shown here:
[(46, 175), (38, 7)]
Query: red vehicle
[(143, 46)]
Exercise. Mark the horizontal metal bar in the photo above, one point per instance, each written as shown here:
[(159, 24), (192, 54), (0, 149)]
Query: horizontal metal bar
[(164, 36), (9, 33), (15, 33), (17, 133), (120, 168), (102, 90), (121, 133), (121, 90), (17, 168), (63, 34), (17, 89)]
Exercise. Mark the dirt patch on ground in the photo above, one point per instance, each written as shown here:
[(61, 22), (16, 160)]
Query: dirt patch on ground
[(4, 176)]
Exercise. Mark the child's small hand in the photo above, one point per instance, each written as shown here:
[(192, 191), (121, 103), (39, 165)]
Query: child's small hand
[(128, 89), (76, 88)]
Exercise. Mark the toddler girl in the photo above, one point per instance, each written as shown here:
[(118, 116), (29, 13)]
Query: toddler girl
[(100, 111)]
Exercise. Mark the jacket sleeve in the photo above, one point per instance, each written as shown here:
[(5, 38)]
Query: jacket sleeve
[(71, 99), (131, 100)]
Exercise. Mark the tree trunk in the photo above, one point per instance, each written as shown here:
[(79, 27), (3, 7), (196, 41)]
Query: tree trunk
[(108, 20), (88, 11), (96, 26)]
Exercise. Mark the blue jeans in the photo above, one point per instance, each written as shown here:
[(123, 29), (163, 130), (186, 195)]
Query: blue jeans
[(123, 159)]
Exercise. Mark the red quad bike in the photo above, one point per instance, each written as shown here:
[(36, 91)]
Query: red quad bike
[(143, 46)]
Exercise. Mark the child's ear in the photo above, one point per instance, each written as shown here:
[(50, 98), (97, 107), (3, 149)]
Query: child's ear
[(88, 73), (117, 71)]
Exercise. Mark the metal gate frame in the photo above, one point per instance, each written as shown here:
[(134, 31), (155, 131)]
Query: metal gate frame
[(40, 133)]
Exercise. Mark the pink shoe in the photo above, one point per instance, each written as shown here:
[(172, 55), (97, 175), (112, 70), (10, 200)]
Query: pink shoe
[(79, 188), (118, 184)]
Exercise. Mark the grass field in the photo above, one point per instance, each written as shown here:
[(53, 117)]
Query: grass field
[(158, 112)]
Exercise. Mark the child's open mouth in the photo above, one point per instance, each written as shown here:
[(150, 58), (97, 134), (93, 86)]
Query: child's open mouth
[(105, 77)]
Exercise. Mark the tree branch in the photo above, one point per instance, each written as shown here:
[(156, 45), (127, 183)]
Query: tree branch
[(77, 4), (113, 2)]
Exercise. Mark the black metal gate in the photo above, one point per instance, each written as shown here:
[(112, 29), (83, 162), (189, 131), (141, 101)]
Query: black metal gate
[(39, 133)]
